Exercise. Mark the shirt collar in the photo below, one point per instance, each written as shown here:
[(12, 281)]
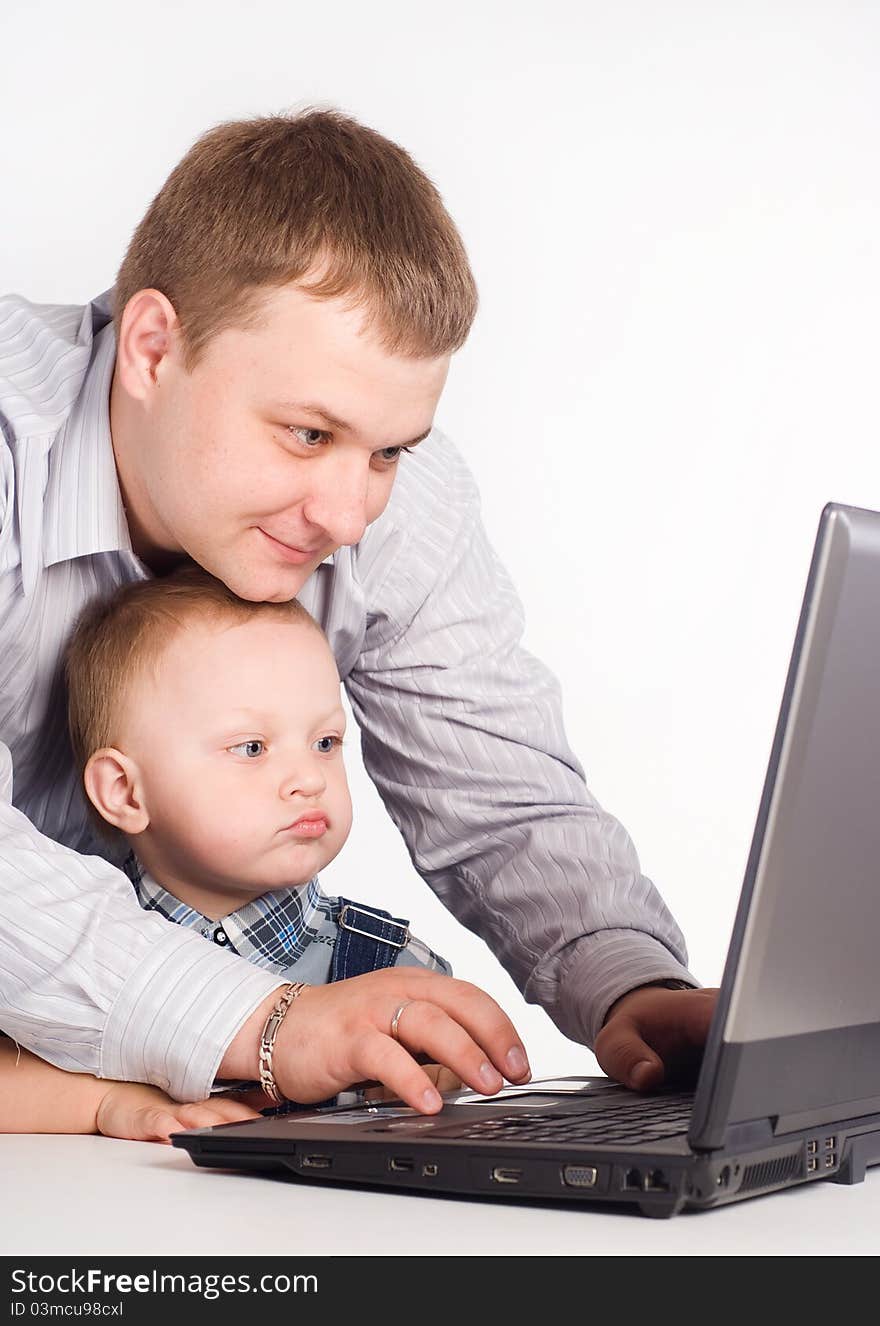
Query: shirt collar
[(83, 512), (272, 931)]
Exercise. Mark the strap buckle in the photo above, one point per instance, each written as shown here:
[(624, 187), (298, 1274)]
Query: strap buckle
[(344, 924)]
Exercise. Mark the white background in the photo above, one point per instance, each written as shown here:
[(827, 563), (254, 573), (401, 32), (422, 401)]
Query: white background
[(672, 210)]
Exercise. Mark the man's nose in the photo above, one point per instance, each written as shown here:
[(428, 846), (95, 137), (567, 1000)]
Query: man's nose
[(338, 502)]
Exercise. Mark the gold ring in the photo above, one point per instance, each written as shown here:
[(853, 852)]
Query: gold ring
[(396, 1018)]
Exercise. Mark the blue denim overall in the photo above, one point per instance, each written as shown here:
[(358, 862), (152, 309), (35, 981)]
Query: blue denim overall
[(368, 940)]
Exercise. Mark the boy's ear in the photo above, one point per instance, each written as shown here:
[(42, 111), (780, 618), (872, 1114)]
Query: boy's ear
[(113, 786)]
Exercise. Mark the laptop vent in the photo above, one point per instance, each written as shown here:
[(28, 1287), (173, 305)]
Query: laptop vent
[(770, 1172)]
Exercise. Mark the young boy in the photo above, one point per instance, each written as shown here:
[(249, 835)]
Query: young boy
[(209, 733)]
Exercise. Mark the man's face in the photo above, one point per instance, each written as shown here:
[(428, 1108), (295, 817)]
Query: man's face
[(281, 446), (236, 737)]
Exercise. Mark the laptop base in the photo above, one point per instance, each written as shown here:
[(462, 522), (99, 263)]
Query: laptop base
[(661, 1180)]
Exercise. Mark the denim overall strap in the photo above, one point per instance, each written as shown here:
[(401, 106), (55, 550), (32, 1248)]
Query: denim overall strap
[(368, 939)]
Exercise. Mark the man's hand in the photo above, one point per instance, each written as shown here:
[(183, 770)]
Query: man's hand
[(338, 1035), (145, 1114), (653, 1036)]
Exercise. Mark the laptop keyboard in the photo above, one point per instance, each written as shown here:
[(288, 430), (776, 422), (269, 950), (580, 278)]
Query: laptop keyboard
[(630, 1121)]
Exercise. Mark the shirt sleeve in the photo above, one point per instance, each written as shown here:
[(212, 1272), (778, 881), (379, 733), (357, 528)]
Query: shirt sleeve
[(94, 984), (418, 954), (462, 734)]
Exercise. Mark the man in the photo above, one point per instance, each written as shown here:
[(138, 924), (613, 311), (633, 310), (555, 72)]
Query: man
[(281, 331)]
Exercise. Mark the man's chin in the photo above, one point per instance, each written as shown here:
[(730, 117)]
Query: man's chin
[(268, 584)]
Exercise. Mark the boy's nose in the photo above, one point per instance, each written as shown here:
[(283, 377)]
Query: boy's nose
[(306, 782)]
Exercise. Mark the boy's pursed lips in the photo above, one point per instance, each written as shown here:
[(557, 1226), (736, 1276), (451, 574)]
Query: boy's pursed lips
[(310, 825)]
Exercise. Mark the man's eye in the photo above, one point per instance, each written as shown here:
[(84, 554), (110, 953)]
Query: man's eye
[(249, 749), (327, 744), (391, 454), (310, 437)]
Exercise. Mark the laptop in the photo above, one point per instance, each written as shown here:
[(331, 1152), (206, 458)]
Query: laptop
[(789, 1087)]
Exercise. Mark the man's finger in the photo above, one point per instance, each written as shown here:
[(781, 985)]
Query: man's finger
[(654, 1035), (424, 1027), (383, 1060), (623, 1055), (484, 1021)]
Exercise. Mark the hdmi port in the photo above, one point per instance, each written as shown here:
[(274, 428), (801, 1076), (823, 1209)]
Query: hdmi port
[(400, 1165), (316, 1162), (502, 1175)]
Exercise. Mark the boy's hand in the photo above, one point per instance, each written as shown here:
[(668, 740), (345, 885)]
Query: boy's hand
[(654, 1035), (145, 1114), (337, 1035), (443, 1078)]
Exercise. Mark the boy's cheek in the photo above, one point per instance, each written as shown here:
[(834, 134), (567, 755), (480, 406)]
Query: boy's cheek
[(211, 823), (340, 810)]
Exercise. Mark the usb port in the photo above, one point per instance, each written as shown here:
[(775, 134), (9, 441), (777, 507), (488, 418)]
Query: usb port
[(500, 1174), (812, 1162), (316, 1162), (401, 1165), (830, 1160), (830, 1143), (812, 1147), (429, 1171)]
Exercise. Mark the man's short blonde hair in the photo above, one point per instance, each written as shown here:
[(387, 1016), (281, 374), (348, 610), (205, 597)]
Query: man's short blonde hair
[(314, 198), (120, 640)]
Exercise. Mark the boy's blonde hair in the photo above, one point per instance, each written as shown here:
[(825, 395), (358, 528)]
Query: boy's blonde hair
[(258, 203), (118, 641)]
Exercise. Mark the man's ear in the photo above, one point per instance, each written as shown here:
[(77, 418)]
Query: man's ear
[(149, 327), (113, 786)]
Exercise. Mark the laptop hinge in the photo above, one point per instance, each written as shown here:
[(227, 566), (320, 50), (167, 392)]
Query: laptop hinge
[(748, 1135)]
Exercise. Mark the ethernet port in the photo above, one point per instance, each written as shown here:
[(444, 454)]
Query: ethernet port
[(656, 1181), (632, 1178)]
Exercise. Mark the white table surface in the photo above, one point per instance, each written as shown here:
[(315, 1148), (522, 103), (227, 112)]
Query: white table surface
[(87, 1196)]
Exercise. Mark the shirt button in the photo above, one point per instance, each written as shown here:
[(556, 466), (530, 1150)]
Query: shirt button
[(220, 937)]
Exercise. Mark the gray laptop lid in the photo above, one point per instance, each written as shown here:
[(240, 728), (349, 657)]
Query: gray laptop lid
[(796, 1035)]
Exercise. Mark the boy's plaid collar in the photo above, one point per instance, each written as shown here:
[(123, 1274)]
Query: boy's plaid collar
[(272, 931)]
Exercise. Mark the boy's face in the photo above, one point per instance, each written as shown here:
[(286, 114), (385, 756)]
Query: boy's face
[(237, 744), (238, 464)]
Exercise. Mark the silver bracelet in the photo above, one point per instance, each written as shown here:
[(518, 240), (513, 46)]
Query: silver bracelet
[(267, 1041)]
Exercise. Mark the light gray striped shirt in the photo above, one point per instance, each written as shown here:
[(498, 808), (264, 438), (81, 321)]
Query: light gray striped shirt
[(462, 734)]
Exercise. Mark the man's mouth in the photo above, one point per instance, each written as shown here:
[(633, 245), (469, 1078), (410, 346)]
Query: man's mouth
[(288, 552)]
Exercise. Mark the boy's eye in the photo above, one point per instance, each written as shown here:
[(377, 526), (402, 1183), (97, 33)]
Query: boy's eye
[(250, 749), (327, 744)]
